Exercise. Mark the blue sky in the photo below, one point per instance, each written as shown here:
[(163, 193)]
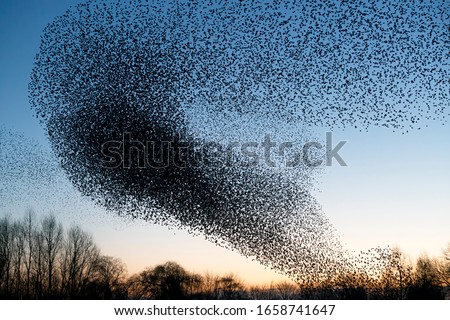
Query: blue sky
[(394, 191)]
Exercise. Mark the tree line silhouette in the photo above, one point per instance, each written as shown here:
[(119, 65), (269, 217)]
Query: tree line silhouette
[(39, 259)]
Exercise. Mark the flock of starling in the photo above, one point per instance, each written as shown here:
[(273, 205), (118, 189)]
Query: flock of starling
[(148, 69), (22, 159)]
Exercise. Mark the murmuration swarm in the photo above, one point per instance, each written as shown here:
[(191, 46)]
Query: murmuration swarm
[(109, 70)]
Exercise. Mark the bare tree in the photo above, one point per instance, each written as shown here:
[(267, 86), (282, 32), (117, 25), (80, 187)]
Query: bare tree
[(425, 273), (210, 285), (78, 262), (446, 253), (230, 286), (286, 290), (28, 231), (5, 255), (166, 281), (18, 249), (38, 269), (193, 285), (41, 261), (397, 275), (136, 287), (442, 266), (52, 235), (109, 276), (426, 280)]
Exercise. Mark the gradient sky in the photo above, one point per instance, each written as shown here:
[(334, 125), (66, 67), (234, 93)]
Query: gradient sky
[(395, 190)]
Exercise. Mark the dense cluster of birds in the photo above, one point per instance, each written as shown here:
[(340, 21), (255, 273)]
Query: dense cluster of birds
[(151, 69)]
